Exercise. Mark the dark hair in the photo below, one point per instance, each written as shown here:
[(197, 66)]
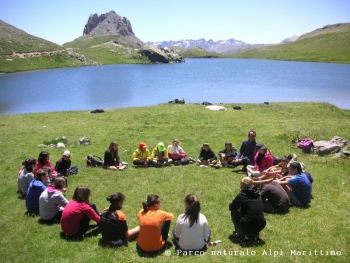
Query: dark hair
[(151, 201), (296, 165), (193, 209), (284, 159), (82, 194), (112, 150), (40, 173), (58, 182), (47, 169), (228, 143), (42, 157), (28, 164), (115, 198), (252, 132)]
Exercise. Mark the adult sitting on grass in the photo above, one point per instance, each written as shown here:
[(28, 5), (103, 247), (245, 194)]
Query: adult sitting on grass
[(247, 151), (36, 187), (160, 156), (26, 176), (111, 158), (247, 212), (263, 160), (52, 201), (44, 160), (206, 157), (275, 198), (113, 226), (76, 215), (140, 157), (192, 232), (297, 185), (227, 155), (154, 225)]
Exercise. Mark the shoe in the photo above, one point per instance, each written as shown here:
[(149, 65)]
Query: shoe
[(231, 166), (217, 166), (202, 165), (243, 170), (122, 168)]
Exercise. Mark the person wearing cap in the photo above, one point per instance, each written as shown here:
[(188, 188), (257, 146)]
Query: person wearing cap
[(111, 158), (64, 163), (160, 156), (140, 157), (263, 160), (206, 156), (44, 160)]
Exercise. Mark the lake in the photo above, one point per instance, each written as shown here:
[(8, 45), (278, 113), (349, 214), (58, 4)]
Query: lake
[(197, 80)]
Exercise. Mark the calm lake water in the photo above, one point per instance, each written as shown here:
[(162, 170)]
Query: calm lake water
[(197, 80)]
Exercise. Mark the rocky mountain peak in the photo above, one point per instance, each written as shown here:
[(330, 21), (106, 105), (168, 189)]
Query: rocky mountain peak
[(109, 23)]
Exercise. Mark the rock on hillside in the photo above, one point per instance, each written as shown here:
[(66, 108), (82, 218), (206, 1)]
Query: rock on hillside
[(111, 24), (160, 55)]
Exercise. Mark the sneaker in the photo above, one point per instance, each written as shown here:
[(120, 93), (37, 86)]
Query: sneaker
[(202, 165), (217, 166), (122, 168)]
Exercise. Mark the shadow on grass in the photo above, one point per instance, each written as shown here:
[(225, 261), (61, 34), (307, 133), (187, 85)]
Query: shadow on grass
[(48, 222), (247, 242), (153, 254), (92, 233)]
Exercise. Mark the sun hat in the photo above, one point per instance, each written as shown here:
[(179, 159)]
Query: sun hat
[(161, 147), (66, 153), (142, 145)]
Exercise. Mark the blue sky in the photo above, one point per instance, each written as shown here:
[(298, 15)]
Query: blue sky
[(251, 21)]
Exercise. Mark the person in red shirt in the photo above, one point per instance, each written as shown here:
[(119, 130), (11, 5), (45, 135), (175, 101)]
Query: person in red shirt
[(154, 225), (78, 212)]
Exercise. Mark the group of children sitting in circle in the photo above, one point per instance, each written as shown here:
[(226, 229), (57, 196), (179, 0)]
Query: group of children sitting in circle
[(268, 188)]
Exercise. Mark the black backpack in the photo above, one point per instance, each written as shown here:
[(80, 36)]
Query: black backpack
[(94, 161)]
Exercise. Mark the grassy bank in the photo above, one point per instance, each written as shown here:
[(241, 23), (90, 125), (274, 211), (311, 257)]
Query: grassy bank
[(324, 226)]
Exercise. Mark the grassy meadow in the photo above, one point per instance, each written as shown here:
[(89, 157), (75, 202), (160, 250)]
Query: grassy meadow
[(323, 227)]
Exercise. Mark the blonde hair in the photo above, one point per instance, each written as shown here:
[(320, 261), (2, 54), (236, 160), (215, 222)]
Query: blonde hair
[(246, 182)]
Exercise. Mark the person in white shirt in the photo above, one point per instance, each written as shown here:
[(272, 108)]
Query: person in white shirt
[(191, 232), (177, 154)]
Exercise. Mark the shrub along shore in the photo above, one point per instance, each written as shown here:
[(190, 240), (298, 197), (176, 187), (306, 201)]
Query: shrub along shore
[(324, 226)]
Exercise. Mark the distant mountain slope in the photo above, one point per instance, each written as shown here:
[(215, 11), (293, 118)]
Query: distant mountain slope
[(210, 45), (13, 39), (327, 44)]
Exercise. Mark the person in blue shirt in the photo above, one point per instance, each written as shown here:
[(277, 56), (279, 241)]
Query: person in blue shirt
[(297, 185), (36, 187), (246, 153)]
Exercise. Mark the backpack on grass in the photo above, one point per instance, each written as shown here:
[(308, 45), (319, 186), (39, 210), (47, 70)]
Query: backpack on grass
[(94, 161), (305, 144)]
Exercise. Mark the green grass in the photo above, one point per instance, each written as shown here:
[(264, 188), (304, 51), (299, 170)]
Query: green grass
[(323, 226), (331, 47)]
